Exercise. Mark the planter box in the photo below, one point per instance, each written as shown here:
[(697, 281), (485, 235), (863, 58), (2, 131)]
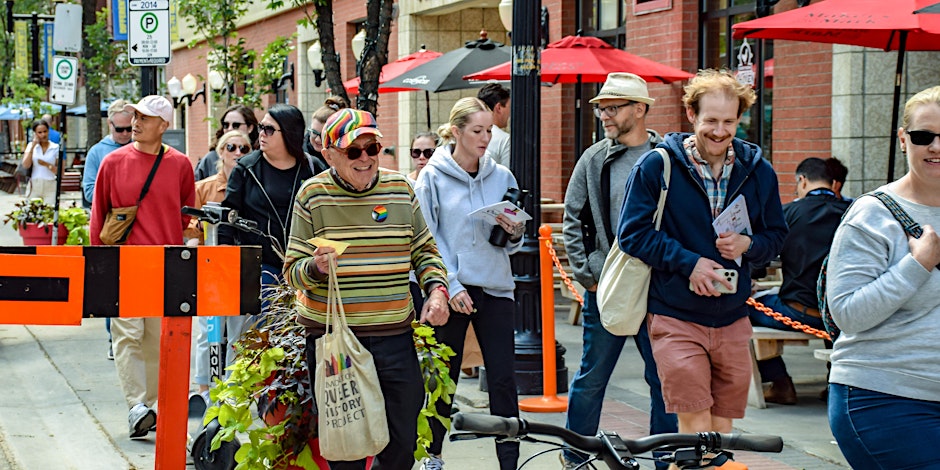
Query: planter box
[(34, 235)]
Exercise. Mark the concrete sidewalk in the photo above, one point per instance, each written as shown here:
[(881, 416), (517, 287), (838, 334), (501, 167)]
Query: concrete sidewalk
[(62, 406)]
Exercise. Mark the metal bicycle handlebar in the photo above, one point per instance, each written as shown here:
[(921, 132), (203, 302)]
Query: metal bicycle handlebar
[(617, 453)]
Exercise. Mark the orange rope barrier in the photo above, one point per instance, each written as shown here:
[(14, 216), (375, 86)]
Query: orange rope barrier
[(787, 320)]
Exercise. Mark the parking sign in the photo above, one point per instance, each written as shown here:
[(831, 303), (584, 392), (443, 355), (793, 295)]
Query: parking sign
[(64, 80), (148, 33)]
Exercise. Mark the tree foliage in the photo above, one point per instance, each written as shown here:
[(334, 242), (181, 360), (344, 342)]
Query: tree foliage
[(7, 46), (374, 55), (216, 23)]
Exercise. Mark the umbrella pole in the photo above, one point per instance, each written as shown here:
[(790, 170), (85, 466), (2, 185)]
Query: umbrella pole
[(577, 122), (427, 107), (892, 151)]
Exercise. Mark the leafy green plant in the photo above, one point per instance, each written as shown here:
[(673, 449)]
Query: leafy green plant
[(107, 70), (271, 375), (36, 211)]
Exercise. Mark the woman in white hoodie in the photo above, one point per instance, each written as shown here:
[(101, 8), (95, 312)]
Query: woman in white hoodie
[(458, 180)]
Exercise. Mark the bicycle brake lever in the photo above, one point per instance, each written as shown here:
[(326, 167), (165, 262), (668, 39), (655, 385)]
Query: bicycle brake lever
[(467, 436)]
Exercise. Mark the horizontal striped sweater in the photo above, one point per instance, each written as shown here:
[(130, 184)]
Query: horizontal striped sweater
[(387, 238)]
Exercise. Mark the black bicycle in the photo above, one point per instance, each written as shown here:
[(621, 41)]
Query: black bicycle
[(686, 451)]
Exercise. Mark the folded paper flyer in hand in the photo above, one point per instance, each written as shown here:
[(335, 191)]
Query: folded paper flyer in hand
[(734, 219), (340, 247), (513, 212)]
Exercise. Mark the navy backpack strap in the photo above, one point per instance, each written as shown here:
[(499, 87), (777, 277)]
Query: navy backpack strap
[(910, 227)]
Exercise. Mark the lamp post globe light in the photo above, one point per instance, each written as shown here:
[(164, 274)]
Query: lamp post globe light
[(358, 43), (216, 80), (315, 60), (525, 117)]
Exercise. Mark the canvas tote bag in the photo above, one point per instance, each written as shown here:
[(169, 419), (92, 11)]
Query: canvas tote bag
[(625, 281), (352, 423)]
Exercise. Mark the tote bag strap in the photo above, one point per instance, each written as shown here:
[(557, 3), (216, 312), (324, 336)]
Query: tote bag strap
[(336, 313), (667, 174)]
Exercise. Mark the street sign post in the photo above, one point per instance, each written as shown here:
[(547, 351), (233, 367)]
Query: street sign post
[(64, 80), (148, 33), (67, 36)]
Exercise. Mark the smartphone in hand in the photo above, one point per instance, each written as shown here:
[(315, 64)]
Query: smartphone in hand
[(730, 275)]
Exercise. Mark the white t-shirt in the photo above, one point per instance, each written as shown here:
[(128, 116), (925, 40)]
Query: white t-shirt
[(49, 156), (498, 149)]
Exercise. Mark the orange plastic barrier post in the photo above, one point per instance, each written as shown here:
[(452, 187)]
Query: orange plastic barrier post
[(173, 393), (549, 402)]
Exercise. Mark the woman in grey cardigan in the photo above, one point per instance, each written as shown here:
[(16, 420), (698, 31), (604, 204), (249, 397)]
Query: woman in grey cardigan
[(884, 393)]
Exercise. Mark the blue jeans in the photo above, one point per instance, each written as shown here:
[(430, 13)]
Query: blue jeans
[(880, 431), (599, 356), (774, 368)]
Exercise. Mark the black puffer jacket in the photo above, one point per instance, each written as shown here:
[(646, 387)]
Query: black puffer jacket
[(250, 196)]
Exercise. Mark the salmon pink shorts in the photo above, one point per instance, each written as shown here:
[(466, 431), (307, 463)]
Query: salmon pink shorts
[(702, 368)]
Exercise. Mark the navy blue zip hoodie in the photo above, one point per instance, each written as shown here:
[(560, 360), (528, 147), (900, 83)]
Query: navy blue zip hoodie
[(687, 234)]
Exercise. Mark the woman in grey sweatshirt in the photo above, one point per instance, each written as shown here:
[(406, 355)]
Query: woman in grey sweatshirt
[(884, 398), (458, 180)]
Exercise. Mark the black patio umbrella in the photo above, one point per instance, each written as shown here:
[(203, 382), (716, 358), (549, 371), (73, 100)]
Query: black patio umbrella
[(446, 72), (935, 8)]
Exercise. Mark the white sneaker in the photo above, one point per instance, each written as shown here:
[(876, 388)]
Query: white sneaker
[(432, 463)]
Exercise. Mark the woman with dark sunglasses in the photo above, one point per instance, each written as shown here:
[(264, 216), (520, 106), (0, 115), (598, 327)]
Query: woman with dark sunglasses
[(262, 187), (236, 118), (884, 387), (422, 147), (231, 146)]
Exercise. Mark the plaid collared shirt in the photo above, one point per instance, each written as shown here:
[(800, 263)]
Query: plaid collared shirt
[(717, 190)]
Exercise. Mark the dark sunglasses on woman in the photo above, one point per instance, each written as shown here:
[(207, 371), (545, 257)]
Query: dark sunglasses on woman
[(233, 125), (353, 153), (268, 130), (417, 153), (244, 149), (922, 138)]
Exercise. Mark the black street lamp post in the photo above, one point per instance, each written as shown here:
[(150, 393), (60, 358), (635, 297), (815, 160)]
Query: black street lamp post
[(524, 142)]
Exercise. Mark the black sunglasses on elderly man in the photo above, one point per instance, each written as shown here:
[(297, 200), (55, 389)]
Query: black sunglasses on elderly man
[(120, 130), (922, 138), (353, 153)]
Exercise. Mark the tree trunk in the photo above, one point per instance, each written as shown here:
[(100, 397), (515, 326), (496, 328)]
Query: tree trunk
[(375, 54), (92, 95), (328, 49)]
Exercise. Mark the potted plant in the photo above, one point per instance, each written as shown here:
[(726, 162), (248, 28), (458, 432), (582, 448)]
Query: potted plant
[(33, 218), (271, 376)]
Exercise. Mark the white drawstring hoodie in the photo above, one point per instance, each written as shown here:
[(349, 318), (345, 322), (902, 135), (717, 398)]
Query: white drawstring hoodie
[(448, 194)]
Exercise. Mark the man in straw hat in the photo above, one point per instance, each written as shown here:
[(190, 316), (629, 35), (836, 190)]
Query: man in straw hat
[(592, 207), (698, 323)]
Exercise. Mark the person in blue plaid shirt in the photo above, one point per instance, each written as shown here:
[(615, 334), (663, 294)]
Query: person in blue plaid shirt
[(699, 335)]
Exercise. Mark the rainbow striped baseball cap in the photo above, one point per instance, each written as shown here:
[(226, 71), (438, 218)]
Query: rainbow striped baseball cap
[(345, 125)]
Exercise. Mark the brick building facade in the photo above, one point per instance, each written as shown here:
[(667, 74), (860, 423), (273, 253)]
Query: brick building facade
[(811, 102)]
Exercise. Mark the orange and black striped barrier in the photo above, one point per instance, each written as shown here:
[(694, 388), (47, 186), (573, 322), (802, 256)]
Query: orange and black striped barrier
[(60, 285)]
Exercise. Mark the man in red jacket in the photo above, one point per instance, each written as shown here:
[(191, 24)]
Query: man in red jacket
[(159, 221)]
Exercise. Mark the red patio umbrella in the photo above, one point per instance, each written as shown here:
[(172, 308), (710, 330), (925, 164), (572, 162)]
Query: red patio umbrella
[(579, 59), (870, 23), (574, 59), (394, 69)]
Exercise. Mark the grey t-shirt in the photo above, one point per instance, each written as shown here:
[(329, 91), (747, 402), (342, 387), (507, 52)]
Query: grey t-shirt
[(885, 302)]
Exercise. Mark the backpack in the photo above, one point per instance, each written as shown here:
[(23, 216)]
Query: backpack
[(910, 227)]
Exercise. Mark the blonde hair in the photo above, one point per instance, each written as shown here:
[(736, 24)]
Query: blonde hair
[(118, 107), (721, 81), (224, 140), (459, 115), (928, 96)]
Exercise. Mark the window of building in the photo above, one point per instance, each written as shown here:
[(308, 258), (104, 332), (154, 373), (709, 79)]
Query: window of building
[(717, 49)]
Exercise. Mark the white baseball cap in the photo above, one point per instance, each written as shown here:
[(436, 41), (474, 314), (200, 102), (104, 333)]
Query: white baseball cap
[(153, 105)]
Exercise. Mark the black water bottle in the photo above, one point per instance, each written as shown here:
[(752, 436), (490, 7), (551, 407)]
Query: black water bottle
[(499, 237)]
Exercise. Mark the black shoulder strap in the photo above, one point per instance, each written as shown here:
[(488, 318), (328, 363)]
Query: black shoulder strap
[(153, 171), (605, 200), (911, 227)]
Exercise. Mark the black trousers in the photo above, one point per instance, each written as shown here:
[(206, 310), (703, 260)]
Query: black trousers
[(493, 323), (403, 388)]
